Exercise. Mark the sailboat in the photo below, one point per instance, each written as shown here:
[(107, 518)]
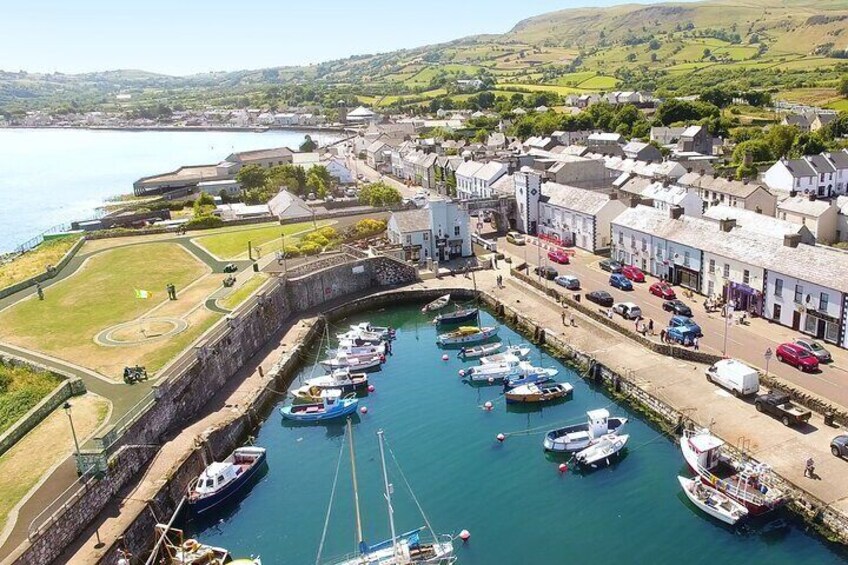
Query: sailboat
[(401, 549)]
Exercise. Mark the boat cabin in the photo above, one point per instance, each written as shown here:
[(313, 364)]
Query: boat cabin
[(215, 477), (598, 422), (706, 447)]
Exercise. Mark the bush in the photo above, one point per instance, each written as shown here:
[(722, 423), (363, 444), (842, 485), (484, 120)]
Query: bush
[(291, 251), (309, 248), (368, 227), (329, 233), (316, 238), (203, 222)]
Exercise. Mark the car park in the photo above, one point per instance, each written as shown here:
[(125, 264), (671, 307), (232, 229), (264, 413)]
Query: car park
[(546, 272), (814, 347), (839, 446), (620, 282), (735, 376), (515, 238), (600, 297), (610, 266), (569, 282), (558, 256), (797, 356), (633, 273), (663, 290), (686, 322), (627, 310), (678, 307)]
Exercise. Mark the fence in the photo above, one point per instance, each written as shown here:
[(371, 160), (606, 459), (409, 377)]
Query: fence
[(54, 511), (36, 241)]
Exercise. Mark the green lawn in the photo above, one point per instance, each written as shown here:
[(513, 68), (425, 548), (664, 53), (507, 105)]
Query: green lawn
[(35, 262), (563, 90), (232, 243), (599, 83), (243, 292), (20, 390)]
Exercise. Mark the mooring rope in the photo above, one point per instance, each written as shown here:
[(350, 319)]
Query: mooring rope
[(548, 427), (411, 492), (330, 506)]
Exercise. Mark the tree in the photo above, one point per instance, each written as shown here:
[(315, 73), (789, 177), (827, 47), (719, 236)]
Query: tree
[(843, 86), (758, 149), (781, 138), (707, 53), (379, 194), (251, 177), (317, 183), (808, 144), (308, 145), (674, 110), (717, 96), (654, 44)]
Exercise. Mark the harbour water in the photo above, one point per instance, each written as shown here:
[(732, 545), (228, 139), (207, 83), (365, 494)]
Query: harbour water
[(510, 496), (53, 176)]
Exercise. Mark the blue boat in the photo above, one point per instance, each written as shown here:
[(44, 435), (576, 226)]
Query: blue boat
[(538, 376), (332, 406), (222, 479), (457, 316)]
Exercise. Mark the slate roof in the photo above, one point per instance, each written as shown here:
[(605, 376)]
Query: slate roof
[(576, 199), (721, 185), (412, 220)]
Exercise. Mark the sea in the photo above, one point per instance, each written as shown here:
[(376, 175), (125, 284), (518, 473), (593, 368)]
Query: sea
[(511, 497), (50, 177)]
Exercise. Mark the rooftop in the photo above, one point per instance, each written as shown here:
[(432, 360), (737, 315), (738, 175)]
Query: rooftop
[(804, 206), (753, 222), (187, 174), (573, 198), (721, 185), (412, 220), (260, 154)]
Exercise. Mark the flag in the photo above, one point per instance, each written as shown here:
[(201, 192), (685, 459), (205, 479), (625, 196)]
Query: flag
[(143, 294)]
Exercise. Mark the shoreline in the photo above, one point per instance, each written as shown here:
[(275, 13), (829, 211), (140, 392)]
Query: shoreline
[(248, 129)]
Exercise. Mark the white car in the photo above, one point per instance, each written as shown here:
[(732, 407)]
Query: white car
[(627, 310)]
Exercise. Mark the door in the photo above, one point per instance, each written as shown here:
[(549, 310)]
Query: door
[(796, 320), (776, 315), (820, 329)]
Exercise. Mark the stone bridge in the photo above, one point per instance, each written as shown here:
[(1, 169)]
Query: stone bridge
[(503, 207)]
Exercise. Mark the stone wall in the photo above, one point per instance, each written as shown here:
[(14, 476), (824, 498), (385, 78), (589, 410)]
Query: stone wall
[(69, 254)]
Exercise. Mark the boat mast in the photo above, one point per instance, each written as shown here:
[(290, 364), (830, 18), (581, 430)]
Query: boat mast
[(476, 299), (388, 493), (360, 542)]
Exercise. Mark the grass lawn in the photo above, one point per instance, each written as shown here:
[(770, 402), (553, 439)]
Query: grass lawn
[(232, 243), (563, 90), (20, 390), (243, 292), (599, 83), (35, 262)]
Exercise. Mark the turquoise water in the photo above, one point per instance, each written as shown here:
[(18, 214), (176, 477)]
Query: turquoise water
[(51, 177), (510, 496)]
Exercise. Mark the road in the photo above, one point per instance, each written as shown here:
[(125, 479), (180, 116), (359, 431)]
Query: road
[(747, 343)]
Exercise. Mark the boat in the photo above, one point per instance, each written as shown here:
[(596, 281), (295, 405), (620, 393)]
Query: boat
[(307, 394), (745, 482), (457, 316), (222, 479), (530, 375), (361, 337), (479, 350), (511, 352), (385, 332), (351, 347), (332, 406), (607, 447), (467, 334), (437, 304), (711, 501), (580, 436), (342, 379), (353, 362), (172, 549), (538, 392), (420, 546)]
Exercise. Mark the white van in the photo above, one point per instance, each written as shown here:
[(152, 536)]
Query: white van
[(735, 376)]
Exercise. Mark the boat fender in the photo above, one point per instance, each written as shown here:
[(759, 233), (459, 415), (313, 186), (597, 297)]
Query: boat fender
[(190, 545)]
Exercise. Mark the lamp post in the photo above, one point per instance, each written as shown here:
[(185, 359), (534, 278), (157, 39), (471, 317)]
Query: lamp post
[(767, 355), (283, 243), (67, 408), (727, 316)]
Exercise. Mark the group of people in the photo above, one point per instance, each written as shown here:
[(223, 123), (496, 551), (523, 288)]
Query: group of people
[(172, 291)]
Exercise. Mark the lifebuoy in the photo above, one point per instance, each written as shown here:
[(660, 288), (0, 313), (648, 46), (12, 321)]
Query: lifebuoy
[(190, 545)]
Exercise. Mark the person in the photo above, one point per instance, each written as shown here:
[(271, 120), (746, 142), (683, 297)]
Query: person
[(695, 343), (662, 335), (609, 313), (810, 468), (563, 317), (573, 323), (40, 291), (651, 326)]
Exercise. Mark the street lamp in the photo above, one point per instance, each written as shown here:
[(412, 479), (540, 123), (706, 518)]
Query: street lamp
[(283, 243), (767, 356), (67, 408), (727, 316)]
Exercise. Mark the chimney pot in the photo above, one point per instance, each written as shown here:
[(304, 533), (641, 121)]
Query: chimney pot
[(791, 239)]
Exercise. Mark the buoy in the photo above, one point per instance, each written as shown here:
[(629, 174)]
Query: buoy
[(371, 388), (563, 468), (462, 372), (500, 437), (491, 380), (488, 405), (465, 535), (445, 357), (363, 410), (382, 358)]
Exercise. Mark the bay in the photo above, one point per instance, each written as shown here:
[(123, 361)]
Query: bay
[(50, 177)]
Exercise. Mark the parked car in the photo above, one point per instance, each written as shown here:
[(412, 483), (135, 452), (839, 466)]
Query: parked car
[(546, 272), (610, 265), (735, 376), (779, 405), (686, 322), (680, 334), (515, 238), (558, 256), (230, 268), (627, 310), (600, 297), (620, 282), (796, 356), (663, 290), (678, 307), (814, 347), (350, 193), (633, 273), (569, 282), (310, 196), (839, 446)]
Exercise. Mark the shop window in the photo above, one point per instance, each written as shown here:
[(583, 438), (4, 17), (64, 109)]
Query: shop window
[(799, 293), (727, 270), (746, 276), (823, 300), (778, 287)]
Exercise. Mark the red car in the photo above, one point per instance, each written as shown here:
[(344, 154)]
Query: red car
[(663, 290), (797, 356), (635, 274), (558, 256)]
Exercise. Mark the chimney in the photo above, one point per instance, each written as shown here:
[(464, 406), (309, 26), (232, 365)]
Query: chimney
[(726, 224), (745, 181), (703, 172), (675, 212), (793, 193), (613, 196), (791, 239)]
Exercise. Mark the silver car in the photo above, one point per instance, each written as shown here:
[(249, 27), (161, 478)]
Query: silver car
[(814, 347)]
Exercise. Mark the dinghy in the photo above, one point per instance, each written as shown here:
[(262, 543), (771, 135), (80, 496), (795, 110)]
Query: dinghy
[(581, 436), (353, 362), (222, 479), (479, 350), (510, 353), (456, 317), (437, 304), (712, 502), (602, 451), (544, 392), (467, 334), (332, 406)]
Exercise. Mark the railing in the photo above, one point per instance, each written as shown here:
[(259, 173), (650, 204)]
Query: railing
[(53, 511), (34, 242)]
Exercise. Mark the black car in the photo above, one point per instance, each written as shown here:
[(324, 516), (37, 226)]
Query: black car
[(601, 297), (547, 272), (678, 307), (611, 266), (230, 268), (839, 446)]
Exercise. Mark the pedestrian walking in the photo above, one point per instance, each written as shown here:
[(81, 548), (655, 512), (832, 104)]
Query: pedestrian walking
[(563, 317), (662, 335), (573, 323), (651, 326), (810, 468), (39, 290), (695, 343)]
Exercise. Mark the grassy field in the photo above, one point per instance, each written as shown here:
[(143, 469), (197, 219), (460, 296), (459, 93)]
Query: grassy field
[(231, 243), (35, 262), (543, 88), (599, 83), (20, 390), (243, 292)]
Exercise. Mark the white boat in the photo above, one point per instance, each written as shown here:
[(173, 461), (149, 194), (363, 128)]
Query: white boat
[(538, 392), (712, 502), (172, 549), (607, 447), (504, 371), (479, 350), (361, 337), (467, 334), (351, 347), (512, 352), (342, 379), (437, 304), (580, 436), (352, 362), (385, 332)]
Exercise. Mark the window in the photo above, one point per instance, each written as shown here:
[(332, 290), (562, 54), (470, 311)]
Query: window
[(710, 288), (823, 300), (409, 240), (799, 292), (426, 236), (620, 238), (456, 231), (712, 265), (686, 258), (778, 287), (644, 244), (746, 276), (727, 270)]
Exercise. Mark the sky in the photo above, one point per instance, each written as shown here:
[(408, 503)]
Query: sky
[(182, 37)]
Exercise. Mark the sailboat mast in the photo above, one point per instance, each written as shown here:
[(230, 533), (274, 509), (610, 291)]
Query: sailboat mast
[(476, 299), (359, 539), (388, 492)]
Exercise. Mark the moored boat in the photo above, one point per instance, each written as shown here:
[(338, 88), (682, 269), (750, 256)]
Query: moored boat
[(538, 392), (529, 375), (342, 379), (222, 479), (172, 549), (350, 347), (361, 337), (437, 304), (512, 352), (332, 406), (385, 332), (711, 501), (479, 350), (467, 334), (747, 483), (604, 450), (353, 362), (580, 436), (457, 316)]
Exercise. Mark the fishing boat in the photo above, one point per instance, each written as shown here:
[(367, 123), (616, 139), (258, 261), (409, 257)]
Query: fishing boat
[(385, 332), (172, 549), (437, 304), (580, 436), (307, 395), (749, 484), (361, 337), (416, 547), (351, 347), (458, 316), (530, 375), (711, 501), (342, 379), (222, 479), (538, 392), (353, 362), (467, 334), (332, 406), (512, 352), (479, 350), (605, 449)]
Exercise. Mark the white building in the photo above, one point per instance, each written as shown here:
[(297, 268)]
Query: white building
[(475, 180), (666, 196), (759, 224), (528, 189), (820, 216), (215, 187), (439, 231), (579, 217), (824, 175), (338, 170), (719, 191)]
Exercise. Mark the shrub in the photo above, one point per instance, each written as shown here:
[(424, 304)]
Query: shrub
[(309, 248), (291, 251), (368, 227), (204, 221), (329, 233)]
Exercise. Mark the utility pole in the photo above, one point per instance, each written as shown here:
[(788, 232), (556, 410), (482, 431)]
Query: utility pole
[(67, 408), (727, 317)]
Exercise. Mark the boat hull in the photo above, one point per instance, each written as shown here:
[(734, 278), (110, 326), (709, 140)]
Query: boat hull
[(456, 317), (206, 503), (479, 351), (298, 413), (477, 337), (729, 514), (519, 396), (604, 451), (577, 437)]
